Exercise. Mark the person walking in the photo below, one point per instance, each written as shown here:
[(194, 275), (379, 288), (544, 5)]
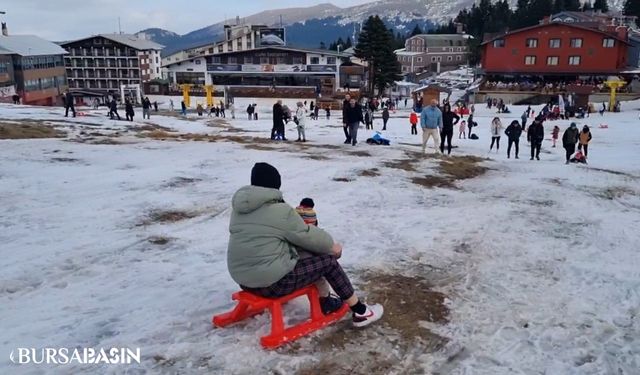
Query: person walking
[(470, 125), (449, 120), (513, 132), (385, 118), (554, 135), (569, 140), (113, 109), (183, 107), (128, 110), (250, 112), (278, 121), (301, 122), (368, 118), (68, 104), (413, 120), (171, 105), (585, 138), (345, 125), (524, 117), (155, 106), (462, 130), (535, 136), (353, 118), (199, 109), (496, 130), (254, 111), (431, 123), (146, 109), (222, 109), (232, 110)]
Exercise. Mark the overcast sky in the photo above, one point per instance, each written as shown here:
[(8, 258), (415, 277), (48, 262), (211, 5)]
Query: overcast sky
[(60, 20)]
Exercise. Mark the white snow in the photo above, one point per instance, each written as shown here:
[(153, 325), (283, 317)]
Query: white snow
[(548, 282)]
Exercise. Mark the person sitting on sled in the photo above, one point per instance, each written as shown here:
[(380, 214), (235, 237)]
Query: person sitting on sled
[(266, 235)]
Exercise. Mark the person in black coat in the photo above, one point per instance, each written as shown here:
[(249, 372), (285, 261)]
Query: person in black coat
[(278, 121), (569, 140), (353, 118), (535, 135), (513, 132), (345, 126), (128, 110), (250, 111), (113, 109), (449, 120), (385, 118), (68, 104)]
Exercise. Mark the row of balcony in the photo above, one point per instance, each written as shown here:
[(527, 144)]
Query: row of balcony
[(102, 75), (101, 53)]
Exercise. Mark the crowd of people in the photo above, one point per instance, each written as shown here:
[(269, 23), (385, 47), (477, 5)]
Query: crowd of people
[(545, 87)]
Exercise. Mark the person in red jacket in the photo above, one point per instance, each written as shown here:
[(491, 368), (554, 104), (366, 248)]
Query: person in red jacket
[(413, 119), (554, 135)]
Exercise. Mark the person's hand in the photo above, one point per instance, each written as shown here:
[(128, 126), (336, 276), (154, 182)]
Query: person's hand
[(337, 250)]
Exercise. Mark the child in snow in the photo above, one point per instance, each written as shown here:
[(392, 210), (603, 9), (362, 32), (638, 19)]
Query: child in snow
[(579, 158), (413, 119), (305, 210), (554, 135), (463, 130)]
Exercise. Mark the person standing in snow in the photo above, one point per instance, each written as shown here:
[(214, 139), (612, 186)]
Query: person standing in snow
[(68, 104), (513, 132), (431, 123), (301, 122), (413, 120), (524, 117), (569, 140), (128, 110), (345, 126), (250, 112), (278, 121), (585, 138), (449, 120), (171, 105), (462, 131), (113, 109), (385, 118), (535, 136), (353, 118), (146, 109), (496, 130), (554, 135), (199, 109), (470, 125), (262, 255), (155, 106), (327, 112), (183, 107), (232, 109)]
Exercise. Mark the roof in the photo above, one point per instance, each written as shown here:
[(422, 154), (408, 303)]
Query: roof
[(442, 40), (28, 45), (126, 39), (432, 87), (550, 24)]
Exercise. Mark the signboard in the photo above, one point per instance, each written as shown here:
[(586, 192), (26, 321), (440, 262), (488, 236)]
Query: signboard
[(272, 37), (224, 68), (251, 68), (288, 68), (322, 68)]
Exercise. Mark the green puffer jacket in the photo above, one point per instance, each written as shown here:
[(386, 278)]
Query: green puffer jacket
[(265, 232)]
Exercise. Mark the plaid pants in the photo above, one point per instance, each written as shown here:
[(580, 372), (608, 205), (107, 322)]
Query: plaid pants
[(308, 271)]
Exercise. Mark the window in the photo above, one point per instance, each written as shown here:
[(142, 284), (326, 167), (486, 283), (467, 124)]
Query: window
[(458, 58), (574, 60), (532, 43), (331, 61), (216, 59), (554, 43), (608, 42), (498, 43), (439, 58), (264, 60), (576, 43), (297, 60), (239, 44), (449, 58), (232, 60), (433, 59), (419, 59), (220, 48), (198, 62), (552, 60), (315, 60), (248, 60), (529, 60)]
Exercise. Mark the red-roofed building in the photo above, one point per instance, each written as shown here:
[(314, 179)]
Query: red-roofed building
[(557, 48)]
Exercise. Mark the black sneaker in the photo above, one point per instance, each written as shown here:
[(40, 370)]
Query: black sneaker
[(330, 304), (346, 142)]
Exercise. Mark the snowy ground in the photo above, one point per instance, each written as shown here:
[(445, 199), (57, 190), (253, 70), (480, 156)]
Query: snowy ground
[(111, 239)]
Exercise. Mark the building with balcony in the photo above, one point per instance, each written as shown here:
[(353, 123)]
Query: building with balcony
[(99, 65), (31, 67), (434, 53)]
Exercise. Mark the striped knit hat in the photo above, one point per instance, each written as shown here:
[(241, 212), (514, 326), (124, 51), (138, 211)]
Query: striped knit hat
[(305, 210)]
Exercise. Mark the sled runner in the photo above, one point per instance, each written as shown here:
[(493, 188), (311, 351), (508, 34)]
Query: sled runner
[(250, 305)]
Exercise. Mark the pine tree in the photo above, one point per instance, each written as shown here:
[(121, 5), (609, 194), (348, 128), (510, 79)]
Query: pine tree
[(632, 8), (587, 6), (416, 30), (601, 5), (322, 45), (348, 43), (572, 5), (375, 45), (559, 6)]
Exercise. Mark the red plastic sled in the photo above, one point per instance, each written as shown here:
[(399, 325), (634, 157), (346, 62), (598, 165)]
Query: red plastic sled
[(250, 305)]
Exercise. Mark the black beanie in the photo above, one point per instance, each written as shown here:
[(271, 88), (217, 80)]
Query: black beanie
[(307, 202), (265, 175)]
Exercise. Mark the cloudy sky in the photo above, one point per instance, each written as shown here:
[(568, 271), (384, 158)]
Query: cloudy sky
[(70, 19)]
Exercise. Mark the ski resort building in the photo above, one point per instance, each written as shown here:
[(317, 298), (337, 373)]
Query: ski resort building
[(32, 68), (98, 66), (434, 53)]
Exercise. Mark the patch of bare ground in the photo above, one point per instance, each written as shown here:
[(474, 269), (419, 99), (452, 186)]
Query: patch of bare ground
[(24, 129), (159, 240), (391, 345), (373, 172), (360, 153), (404, 164), (149, 126), (614, 192), (614, 172), (167, 216), (65, 160), (181, 181)]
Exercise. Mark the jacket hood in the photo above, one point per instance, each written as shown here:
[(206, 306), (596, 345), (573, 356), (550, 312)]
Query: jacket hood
[(250, 198)]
